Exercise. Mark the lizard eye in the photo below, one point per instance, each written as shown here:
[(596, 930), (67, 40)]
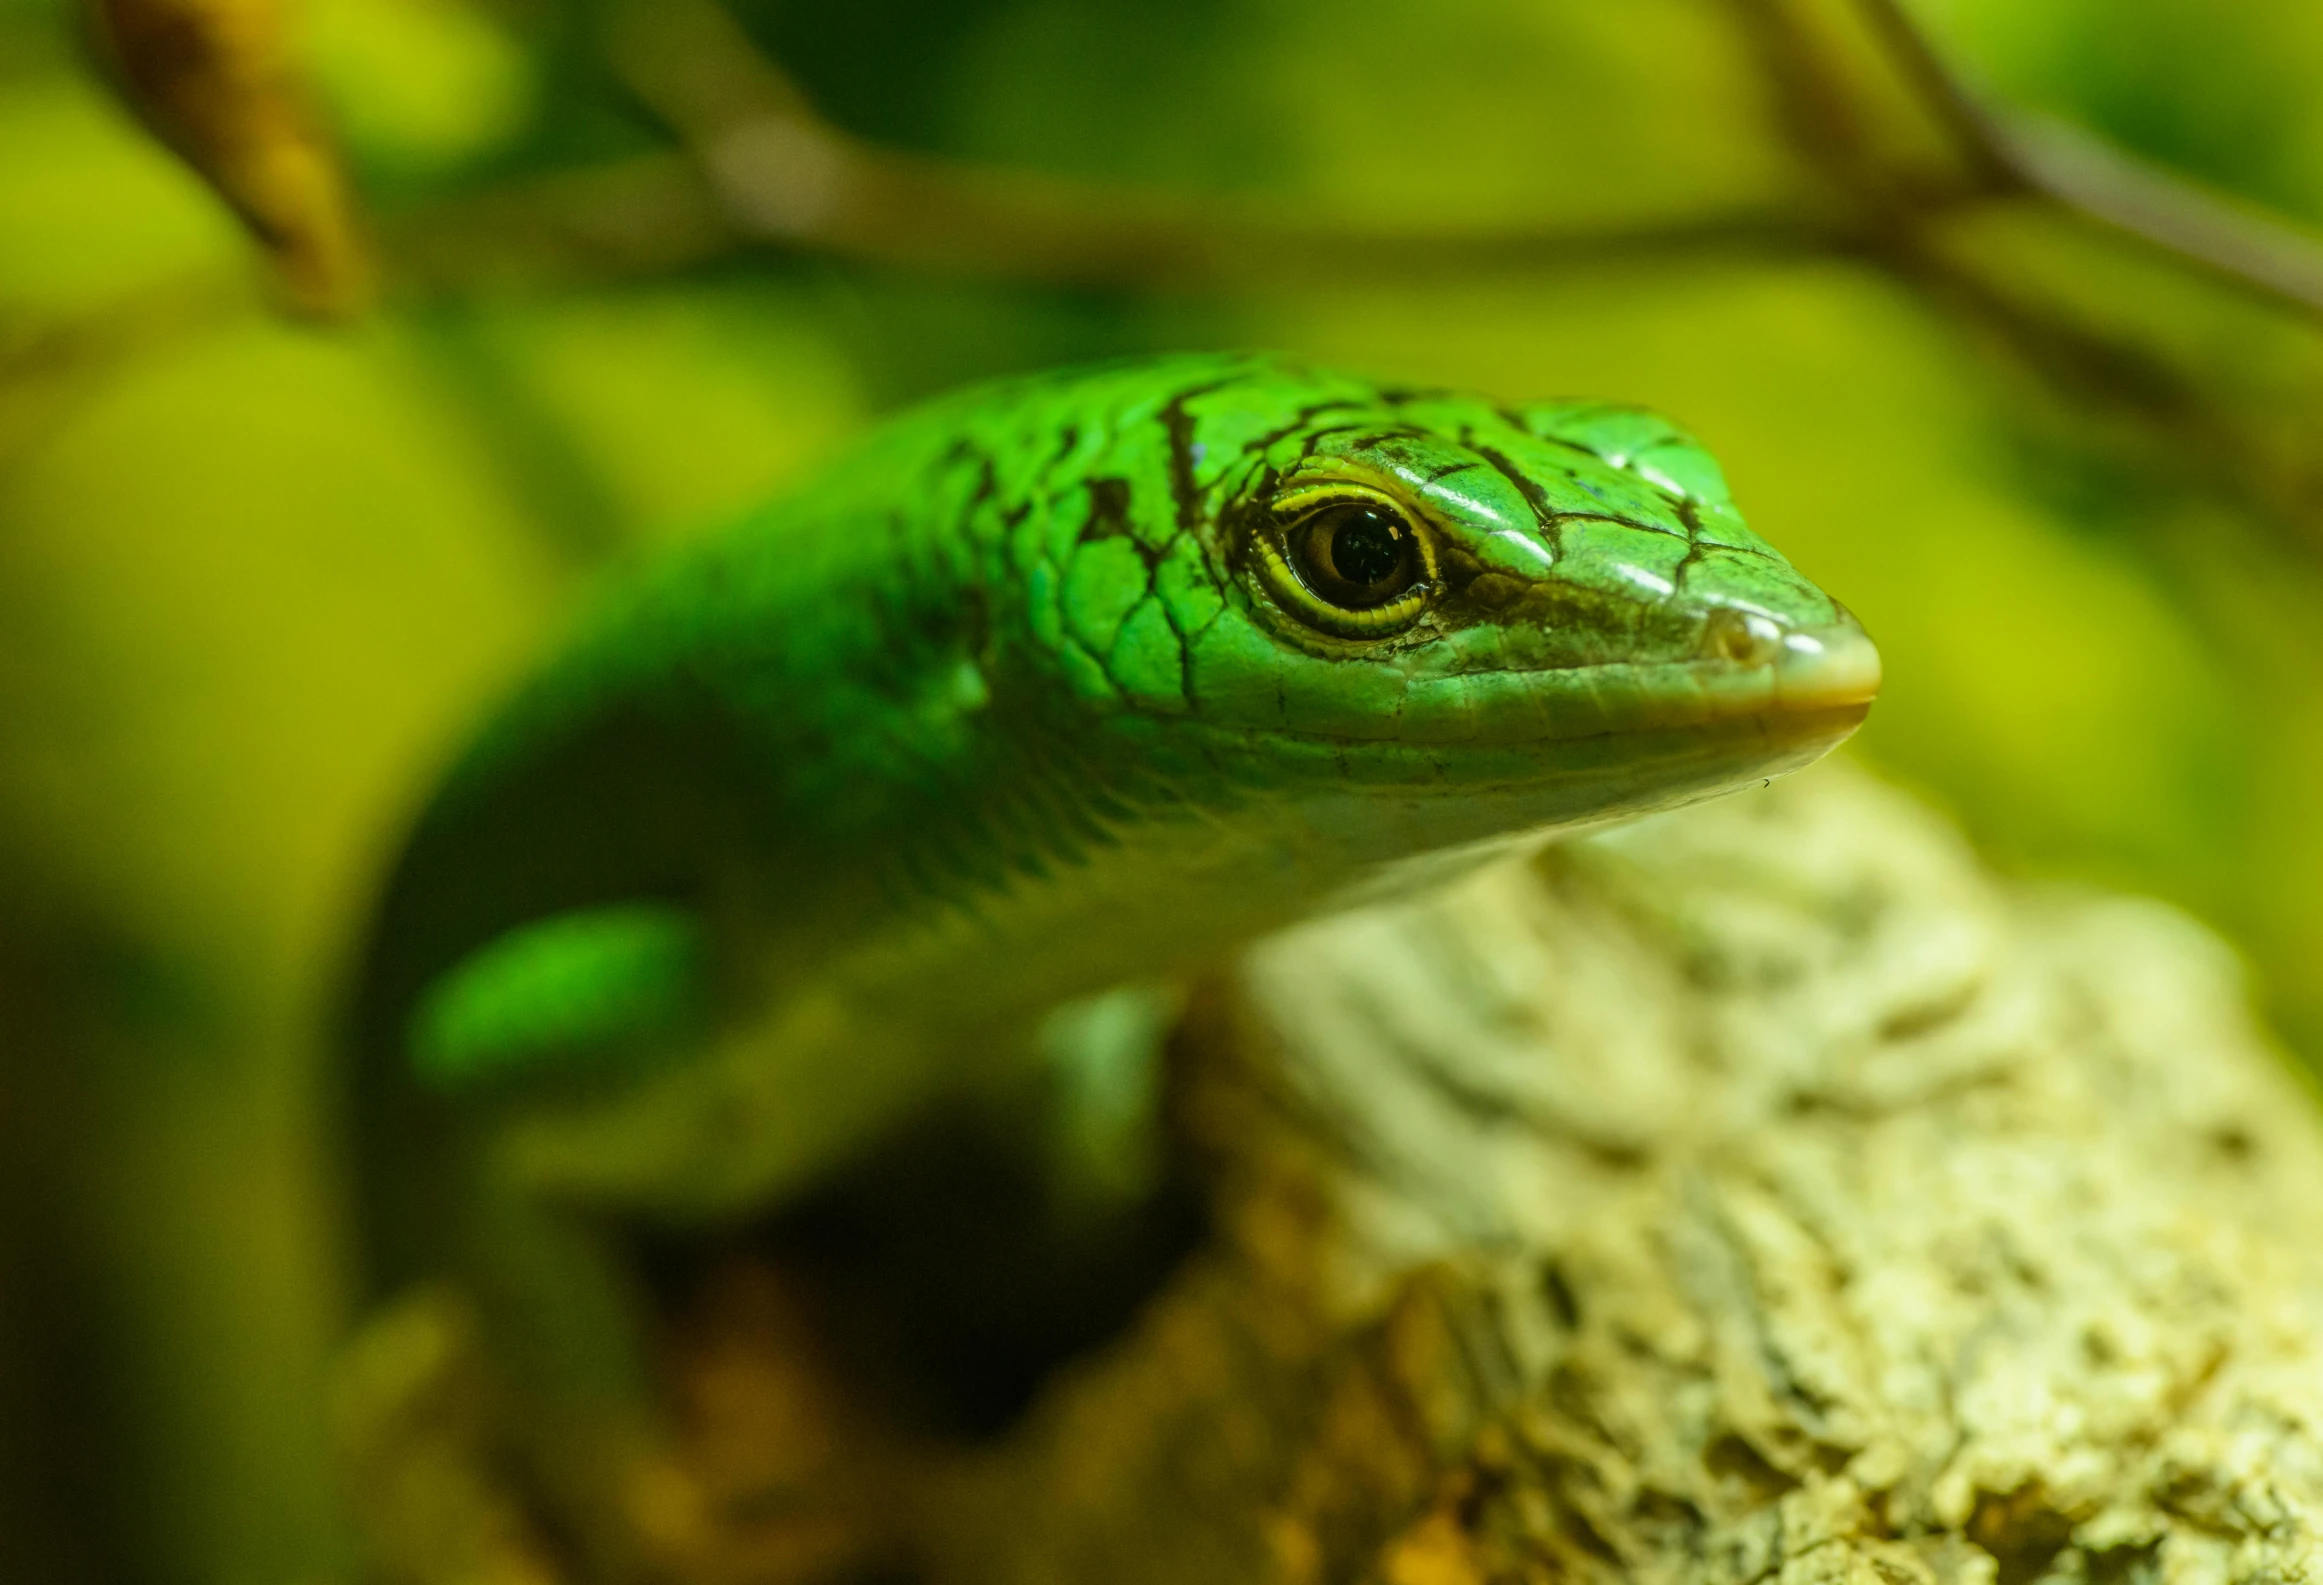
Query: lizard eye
[(1358, 555), (1348, 561)]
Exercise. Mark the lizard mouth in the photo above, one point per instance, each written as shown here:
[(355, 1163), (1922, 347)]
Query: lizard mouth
[(1826, 668), (1747, 672), (1730, 668), (1792, 682), (1764, 664)]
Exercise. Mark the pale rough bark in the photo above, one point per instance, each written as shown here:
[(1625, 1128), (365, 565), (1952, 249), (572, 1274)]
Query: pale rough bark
[(1762, 1193)]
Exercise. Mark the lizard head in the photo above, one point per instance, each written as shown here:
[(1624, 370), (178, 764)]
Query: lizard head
[(1502, 616)]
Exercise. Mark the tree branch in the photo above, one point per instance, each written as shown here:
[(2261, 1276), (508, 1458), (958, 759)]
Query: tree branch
[(778, 173), (2015, 150)]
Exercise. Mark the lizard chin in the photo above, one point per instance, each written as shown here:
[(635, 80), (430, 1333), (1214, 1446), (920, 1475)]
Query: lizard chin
[(1574, 786)]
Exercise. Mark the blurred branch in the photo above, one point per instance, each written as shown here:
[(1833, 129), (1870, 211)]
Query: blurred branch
[(645, 215), (1960, 113), (214, 79), (2009, 153), (772, 171), (2184, 416), (2237, 245), (656, 213), (2016, 150), (46, 363)]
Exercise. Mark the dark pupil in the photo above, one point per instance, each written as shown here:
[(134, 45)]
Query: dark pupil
[(1367, 546)]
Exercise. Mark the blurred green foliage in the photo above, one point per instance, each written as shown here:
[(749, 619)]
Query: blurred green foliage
[(255, 577)]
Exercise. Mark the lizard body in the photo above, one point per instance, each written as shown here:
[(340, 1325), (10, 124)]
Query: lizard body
[(1071, 681)]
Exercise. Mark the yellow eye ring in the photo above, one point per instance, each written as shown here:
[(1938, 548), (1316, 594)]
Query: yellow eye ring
[(1351, 561)]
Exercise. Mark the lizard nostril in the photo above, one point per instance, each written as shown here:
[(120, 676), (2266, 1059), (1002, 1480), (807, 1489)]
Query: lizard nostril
[(1742, 637)]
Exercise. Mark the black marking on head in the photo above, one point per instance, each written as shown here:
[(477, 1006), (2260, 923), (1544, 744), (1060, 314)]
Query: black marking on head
[(1370, 437), (1300, 420), (1110, 518), (1185, 656), (1316, 437), (1543, 513), (1178, 426), (987, 472), (1691, 516), (976, 635), (1516, 421), (1108, 511), (1383, 439), (1590, 626)]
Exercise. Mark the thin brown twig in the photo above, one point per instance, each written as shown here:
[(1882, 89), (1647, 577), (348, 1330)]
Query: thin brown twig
[(2018, 150), (654, 214), (781, 174), (2228, 241), (1816, 112), (646, 215), (46, 362), (768, 170), (1962, 114), (2187, 421)]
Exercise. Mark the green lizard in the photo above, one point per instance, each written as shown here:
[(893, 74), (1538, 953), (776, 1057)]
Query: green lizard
[(1059, 684)]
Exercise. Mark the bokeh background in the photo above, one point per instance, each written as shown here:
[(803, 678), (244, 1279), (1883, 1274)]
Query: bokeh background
[(274, 524)]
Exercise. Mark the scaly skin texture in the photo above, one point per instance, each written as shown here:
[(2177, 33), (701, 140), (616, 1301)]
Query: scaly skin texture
[(1031, 696)]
